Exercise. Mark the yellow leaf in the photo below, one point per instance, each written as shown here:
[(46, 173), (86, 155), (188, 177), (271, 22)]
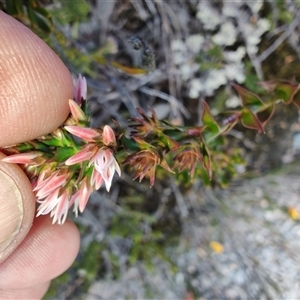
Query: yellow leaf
[(216, 247), (129, 70), (293, 213)]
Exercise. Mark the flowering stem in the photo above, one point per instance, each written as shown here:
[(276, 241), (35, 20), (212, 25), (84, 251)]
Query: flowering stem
[(66, 166)]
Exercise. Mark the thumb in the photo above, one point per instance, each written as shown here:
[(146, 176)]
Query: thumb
[(17, 207), (34, 88)]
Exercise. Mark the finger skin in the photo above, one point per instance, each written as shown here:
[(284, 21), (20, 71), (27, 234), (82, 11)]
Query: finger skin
[(21, 180), (46, 252), (34, 292), (34, 85), (34, 90)]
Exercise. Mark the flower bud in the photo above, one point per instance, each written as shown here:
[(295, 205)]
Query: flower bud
[(108, 136)]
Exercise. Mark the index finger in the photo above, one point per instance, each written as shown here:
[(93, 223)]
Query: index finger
[(35, 85)]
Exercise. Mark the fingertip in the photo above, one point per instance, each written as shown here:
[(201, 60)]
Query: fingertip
[(17, 207), (35, 85), (46, 252), (33, 292)]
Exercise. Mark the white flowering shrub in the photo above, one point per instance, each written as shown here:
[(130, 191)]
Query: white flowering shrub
[(216, 55)]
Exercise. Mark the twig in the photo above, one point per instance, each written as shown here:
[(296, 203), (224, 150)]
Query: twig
[(253, 58), (183, 210), (167, 34), (126, 97), (172, 100), (140, 9), (280, 40)]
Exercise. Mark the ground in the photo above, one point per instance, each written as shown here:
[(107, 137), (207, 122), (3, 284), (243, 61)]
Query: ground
[(174, 241)]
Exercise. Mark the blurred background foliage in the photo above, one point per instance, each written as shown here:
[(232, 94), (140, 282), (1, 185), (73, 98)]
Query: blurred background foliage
[(200, 48)]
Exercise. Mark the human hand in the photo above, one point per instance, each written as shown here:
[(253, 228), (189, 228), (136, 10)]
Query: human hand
[(34, 90)]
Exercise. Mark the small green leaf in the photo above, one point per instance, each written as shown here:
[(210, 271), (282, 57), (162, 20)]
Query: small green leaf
[(39, 19), (180, 134), (70, 12), (283, 90), (249, 120), (143, 145), (250, 100), (286, 91), (32, 16), (12, 7), (211, 130), (215, 52), (169, 143), (63, 153), (43, 19)]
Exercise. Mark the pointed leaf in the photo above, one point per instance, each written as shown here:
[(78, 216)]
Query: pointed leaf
[(249, 120), (12, 7), (211, 129), (163, 163), (265, 115), (149, 119), (143, 145), (249, 99), (40, 18), (129, 144), (129, 70), (286, 91), (297, 74), (63, 153), (43, 19), (282, 89), (205, 159), (167, 142), (183, 133), (32, 16), (296, 99)]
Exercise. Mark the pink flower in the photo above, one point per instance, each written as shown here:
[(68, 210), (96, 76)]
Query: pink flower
[(57, 203), (22, 158), (85, 154), (46, 186), (76, 111), (81, 197), (96, 179), (54, 195), (48, 203), (103, 162), (100, 157), (87, 134), (60, 212), (106, 165), (108, 136), (80, 91)]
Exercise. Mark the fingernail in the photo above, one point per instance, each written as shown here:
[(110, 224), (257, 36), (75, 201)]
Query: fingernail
[(11, 210)]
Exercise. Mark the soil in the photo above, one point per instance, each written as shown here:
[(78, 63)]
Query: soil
[(254, 223), (260, 239)]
